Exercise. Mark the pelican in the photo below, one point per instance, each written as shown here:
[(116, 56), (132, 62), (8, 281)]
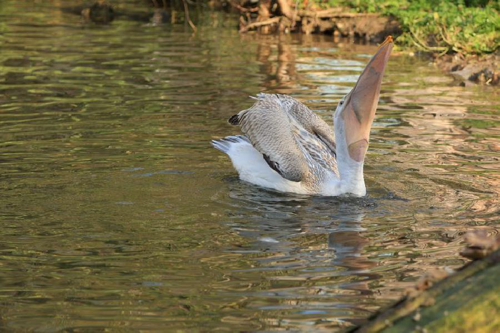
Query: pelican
[(288, 148)]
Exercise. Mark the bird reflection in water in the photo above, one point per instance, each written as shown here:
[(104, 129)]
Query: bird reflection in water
[(318, 240)]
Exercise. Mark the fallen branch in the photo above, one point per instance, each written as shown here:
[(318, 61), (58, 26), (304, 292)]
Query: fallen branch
[(333, 13), (270, 21)]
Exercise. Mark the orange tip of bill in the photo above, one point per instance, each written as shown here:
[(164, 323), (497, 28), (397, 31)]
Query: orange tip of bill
[(387, 40)]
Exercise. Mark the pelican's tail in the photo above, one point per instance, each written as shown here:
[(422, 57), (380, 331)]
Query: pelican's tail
[(252, 166), (225, 144)]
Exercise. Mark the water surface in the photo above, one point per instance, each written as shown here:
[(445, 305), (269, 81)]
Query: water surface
[(115, 211)]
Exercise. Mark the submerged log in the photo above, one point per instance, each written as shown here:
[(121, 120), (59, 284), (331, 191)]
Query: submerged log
[(465, 301)]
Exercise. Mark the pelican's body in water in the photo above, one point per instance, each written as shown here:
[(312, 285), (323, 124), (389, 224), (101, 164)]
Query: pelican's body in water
[(288, 148)]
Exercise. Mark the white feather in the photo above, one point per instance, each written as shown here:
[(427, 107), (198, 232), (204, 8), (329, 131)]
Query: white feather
[(252, 167)]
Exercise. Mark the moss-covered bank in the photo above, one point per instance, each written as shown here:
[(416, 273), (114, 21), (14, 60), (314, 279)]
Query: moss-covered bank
[(467, 300)]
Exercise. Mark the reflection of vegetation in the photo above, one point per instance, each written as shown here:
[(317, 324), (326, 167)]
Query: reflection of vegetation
[(480, 111), (480, 123), (433, 25)]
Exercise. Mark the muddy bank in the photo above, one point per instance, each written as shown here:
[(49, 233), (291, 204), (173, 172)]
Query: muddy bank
[(339, 22)]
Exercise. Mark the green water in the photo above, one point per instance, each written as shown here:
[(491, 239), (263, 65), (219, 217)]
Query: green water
[(116, 213)]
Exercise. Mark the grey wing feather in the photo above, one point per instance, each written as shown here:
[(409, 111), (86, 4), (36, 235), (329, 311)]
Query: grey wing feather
[(268, 128), (310, 121), (318, 155), (291, 137)]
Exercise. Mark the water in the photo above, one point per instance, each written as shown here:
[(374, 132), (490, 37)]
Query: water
[(116, 212)]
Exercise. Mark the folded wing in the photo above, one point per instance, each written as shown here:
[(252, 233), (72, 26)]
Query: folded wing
[(292, 139)]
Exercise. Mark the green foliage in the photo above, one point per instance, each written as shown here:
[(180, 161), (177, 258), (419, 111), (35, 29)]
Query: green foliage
[(463, 26), (446, 27)]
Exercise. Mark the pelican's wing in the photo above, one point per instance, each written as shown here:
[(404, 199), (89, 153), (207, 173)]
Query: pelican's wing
[(310, 121), (318, 154), (292, 139)]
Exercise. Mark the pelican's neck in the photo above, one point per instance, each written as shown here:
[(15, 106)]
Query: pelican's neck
[(351, 176)]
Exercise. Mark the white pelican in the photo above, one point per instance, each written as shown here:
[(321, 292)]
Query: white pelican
[(288, 148)]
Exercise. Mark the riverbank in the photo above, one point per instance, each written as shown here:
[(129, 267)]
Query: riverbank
[(461, 37)]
